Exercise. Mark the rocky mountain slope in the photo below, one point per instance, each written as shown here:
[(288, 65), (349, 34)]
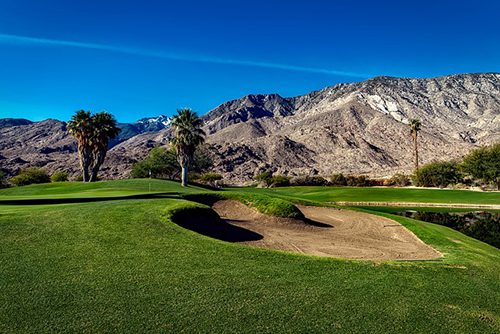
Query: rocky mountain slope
[(351, 128)]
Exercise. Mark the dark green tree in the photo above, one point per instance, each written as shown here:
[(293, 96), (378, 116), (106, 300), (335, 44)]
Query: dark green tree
[(437, 174), (92, 133), (104, 128), (483, 164), (80, 127), (188, 135)]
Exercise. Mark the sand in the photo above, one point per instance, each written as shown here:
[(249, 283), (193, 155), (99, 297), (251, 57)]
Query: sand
[(327, 232)]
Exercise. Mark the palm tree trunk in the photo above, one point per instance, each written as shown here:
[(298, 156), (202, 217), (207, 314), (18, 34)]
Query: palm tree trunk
[(184, 175), (415, 143), (93, 175), (84, 164), (98, 161)]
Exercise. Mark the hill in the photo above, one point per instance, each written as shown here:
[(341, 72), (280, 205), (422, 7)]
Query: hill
[(99, 264), (358, 128)]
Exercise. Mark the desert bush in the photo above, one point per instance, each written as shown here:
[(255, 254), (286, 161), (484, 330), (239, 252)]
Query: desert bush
[(398, 180), (388, 182), (357, 181), (32, 175), (279, 181), (162, 163), (338, 180), (483, 164), (264, 178), (437, 174), (374, 182), (59, 177), (3, 180), (210, 179)]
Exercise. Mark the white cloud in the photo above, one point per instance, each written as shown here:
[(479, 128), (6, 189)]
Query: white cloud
[(25, 40)]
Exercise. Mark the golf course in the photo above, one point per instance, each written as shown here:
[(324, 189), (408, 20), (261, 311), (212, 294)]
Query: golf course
[(146, 255)]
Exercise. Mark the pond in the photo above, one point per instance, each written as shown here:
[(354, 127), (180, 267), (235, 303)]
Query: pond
[(481, 225)]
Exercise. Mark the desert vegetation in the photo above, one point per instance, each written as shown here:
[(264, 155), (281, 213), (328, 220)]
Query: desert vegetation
[(93, 133), (3, 179), (31, 175), (483, 164), (480, 167), (415, 127), (59, 177), (188, 136), (161, 163)]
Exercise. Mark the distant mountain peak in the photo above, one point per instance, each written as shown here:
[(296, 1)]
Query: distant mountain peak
[(160, 120)]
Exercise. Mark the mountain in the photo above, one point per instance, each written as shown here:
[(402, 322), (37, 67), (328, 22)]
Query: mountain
[(148, 124), (6, 122), (357, 128), (47, 144)]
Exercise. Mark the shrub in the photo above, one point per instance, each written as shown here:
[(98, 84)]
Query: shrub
[(279, 181), (309, 181), (210, 178), (437, 174), (3, 180), (264, 178), (398, 180), (31, 175), (483, 164), (59, 177), (338, 180), (375, 182), (162, 163), (357, 181)]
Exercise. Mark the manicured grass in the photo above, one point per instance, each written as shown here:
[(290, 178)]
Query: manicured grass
[(265, 204), (97, 189), (123, 266), (332, 194)]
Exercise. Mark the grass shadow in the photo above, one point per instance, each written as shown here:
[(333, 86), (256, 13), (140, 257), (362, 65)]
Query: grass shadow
[(207, 222), (44, 201)]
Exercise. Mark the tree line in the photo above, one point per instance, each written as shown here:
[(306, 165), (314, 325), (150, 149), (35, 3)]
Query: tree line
[(93, 133)]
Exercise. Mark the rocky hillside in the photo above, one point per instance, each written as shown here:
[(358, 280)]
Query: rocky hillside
[(350, 128)]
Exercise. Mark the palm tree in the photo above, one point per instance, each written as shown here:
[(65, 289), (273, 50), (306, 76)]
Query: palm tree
[(415, 125), (104, 129), (80, 127), (188, 135)]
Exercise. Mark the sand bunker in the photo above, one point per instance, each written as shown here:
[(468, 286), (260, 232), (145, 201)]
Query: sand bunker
[(331, 232)]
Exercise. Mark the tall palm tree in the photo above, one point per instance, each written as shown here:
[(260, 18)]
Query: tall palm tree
[(188, 135), (80, 127), (415, 126), (104, 129)]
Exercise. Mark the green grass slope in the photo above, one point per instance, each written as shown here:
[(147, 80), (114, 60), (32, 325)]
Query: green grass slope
[(123, 266), (352, 194)]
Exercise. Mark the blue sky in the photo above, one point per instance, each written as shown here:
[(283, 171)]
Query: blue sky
[(144, 58)]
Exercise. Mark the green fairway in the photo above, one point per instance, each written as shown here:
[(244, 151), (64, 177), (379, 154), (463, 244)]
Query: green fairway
[(97, 189), (123, 266), (333, 194)]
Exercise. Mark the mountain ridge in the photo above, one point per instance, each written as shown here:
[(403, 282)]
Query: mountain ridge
[(348, 127)]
